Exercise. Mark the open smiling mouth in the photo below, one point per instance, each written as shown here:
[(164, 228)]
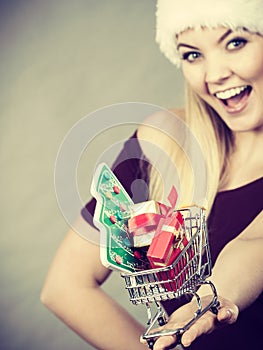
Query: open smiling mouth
[(234, 99)]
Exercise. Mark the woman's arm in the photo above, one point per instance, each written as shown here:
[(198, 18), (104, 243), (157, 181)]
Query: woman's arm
[(238, 277), (72, 291), (238, 272)]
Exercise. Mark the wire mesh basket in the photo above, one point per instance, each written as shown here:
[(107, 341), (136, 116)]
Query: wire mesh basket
[(184, 276)]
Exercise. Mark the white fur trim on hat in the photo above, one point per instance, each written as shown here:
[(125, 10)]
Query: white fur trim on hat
[(175, 16)]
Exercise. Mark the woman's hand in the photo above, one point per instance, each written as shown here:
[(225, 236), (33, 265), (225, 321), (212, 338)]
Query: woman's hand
[(227, 314), (242, 283)]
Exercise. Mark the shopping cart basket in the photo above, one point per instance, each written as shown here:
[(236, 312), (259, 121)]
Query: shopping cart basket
[(184, 277)]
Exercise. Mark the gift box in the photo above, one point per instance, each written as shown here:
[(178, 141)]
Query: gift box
[(144, 219), (168, 234), (168, 242), (177, 274), (144, 207)]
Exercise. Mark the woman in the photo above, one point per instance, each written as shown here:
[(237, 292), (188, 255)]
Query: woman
[(219, 45)]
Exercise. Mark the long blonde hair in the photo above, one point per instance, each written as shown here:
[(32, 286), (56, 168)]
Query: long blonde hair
[(216, 143)]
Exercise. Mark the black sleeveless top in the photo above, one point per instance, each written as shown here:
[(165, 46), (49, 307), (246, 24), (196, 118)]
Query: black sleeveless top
[(232, 212)]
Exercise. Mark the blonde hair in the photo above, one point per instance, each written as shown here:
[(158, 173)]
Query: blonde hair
[(216, 143)]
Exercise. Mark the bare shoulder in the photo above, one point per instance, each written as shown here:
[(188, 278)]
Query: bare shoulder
[(160, 122), (160, 135)]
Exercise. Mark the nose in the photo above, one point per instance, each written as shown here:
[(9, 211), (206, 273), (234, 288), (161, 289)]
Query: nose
[(217, 71)]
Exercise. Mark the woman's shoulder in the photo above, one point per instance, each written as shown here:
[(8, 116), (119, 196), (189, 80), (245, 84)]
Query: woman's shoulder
[(158, 134), (160, 123)]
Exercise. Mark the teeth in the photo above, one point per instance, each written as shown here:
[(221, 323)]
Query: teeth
[(223, 95)]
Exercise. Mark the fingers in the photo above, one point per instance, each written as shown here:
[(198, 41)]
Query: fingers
[(203, 325), (207, 323), (165, 342), (162, 343), (227, 315)]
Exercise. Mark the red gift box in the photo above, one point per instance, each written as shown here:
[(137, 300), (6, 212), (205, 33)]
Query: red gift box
[(167, 244), (144, 220), (161, 251), (177, 274)]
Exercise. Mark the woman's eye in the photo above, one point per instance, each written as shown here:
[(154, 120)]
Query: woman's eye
[(190, 56), (236, 43)]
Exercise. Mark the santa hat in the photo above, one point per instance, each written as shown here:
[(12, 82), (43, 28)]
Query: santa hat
[(175, 16)]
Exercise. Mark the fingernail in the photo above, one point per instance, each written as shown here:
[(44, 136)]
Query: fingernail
[(229, 314), (187, 341)]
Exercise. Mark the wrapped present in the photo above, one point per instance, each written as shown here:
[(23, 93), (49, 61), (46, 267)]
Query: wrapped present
[(144, 207), (144, 220), (177, 273), (145, 217), (167, 244), (168, 234)]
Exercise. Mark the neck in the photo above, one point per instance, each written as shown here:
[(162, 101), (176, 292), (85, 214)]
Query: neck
[(248, 145), (246, 162)]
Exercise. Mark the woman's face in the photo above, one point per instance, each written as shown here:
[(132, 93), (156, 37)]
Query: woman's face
[(225, 68)]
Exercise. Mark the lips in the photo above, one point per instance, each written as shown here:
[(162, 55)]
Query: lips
[(234, 99)]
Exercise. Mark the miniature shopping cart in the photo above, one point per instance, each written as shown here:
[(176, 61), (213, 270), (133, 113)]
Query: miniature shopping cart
[(145, 285), (186, 274)]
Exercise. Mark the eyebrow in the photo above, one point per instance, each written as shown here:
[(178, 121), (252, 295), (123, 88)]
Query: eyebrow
[(222, 38), (186, 45)]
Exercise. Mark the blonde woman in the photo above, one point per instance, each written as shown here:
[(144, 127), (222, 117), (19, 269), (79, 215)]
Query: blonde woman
[(219, 46)]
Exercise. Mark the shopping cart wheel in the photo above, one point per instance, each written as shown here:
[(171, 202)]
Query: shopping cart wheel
[(150, 343), (161, 321), (215, 308)]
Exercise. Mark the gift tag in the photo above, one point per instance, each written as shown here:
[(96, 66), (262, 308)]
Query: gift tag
[(111, 218)]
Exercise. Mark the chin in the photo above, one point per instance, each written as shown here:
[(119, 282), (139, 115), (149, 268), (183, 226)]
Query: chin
[(245, 126), (244, 121)]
